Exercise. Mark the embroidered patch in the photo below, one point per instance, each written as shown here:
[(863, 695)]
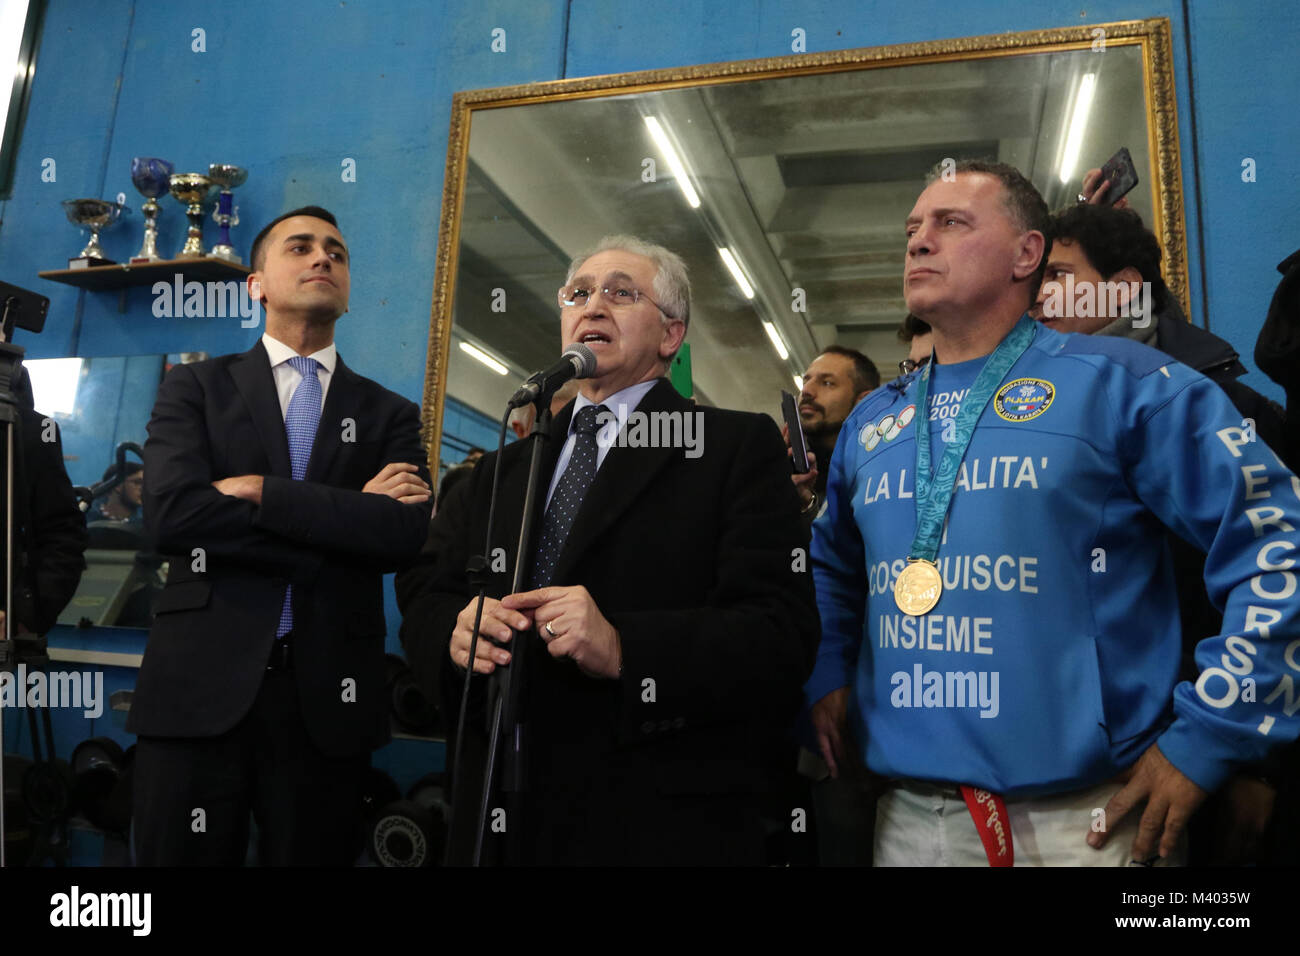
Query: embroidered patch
[(1023, 399)]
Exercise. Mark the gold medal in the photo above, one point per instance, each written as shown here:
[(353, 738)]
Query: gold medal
[(918, 587)]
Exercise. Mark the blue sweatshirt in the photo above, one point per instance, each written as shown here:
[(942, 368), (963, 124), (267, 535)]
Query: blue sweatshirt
[(1051, 660)]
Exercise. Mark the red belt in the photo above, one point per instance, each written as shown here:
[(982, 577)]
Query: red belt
[(989, 811)]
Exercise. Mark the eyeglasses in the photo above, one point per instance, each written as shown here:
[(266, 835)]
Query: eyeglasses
[(908, 366), (618, 295)]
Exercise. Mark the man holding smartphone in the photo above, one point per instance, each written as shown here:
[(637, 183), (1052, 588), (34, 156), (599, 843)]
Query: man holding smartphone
[(834, 382)]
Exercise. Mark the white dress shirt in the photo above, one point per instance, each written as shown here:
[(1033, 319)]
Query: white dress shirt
[(622, 404), (287, 377)]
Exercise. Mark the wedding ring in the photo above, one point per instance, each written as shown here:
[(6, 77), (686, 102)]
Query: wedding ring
[(550, 630)]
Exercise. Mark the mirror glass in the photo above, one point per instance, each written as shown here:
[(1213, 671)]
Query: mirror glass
[(805, 182), (102, 406)]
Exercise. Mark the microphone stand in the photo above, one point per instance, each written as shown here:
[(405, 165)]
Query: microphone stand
[(505, 729)]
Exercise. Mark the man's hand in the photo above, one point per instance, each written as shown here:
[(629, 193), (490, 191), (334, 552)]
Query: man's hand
[(1094, 190), (568, 620), (247, 487), (829, 716), (804, 484), (400, 482), (497, 622), (1171, 800)]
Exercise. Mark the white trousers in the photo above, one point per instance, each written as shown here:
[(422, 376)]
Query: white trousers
[(919, 824)]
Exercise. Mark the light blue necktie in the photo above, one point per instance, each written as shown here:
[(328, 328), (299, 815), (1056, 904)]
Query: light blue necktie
[(300, 423)]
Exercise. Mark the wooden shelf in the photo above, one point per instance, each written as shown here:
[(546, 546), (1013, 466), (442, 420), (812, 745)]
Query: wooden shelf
[(102, 278)]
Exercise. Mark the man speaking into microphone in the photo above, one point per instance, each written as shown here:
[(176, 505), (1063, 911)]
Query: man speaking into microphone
[(670, 611)]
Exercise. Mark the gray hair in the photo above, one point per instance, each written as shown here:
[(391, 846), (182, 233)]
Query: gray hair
[(672, 289)]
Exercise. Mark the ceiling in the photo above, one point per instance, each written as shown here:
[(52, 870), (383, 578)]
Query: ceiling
[(808, 179)]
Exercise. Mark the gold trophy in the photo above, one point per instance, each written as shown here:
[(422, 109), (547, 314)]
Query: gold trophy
[(192, 189)]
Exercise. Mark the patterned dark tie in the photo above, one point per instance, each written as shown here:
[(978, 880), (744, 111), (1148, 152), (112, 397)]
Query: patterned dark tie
[(300, 421), (569, 492)]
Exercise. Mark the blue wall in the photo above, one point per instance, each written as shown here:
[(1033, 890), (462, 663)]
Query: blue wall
[(292, 90)]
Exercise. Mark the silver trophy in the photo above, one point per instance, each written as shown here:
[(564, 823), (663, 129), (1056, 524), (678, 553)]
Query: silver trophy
[(225, 212), (152, 177), (93, 214), (192, 189)]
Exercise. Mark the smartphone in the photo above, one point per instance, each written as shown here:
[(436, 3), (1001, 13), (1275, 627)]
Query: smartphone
[(790, 409), (1121, 174)]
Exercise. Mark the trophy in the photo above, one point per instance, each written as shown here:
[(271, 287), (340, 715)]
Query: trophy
[(93, 214), (192, 189), (152, 179), (224, 213)]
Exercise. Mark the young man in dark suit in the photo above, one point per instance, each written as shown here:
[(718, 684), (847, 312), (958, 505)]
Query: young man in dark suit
[(283, 486), (669, 612)]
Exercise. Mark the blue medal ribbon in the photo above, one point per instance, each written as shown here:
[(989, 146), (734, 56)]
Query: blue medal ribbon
[(933, 495)]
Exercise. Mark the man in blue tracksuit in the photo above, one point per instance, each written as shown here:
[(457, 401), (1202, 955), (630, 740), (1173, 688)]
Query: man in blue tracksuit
[(1041, 682)]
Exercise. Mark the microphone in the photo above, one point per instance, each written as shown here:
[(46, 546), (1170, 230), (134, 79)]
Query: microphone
[(578, 361)]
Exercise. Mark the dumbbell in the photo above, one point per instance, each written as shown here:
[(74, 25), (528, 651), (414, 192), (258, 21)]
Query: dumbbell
[(115, 813), (378, 790), (48, 791), (410, 705), (98, 766), (412, 832)]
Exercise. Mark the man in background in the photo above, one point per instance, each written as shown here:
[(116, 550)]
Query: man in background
[(49, 529), (122, 502), (1103, 277), (833, 383), (844, 806)]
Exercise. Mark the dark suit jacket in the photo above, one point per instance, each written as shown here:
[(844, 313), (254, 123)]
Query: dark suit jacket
[(49, 527), (692, 561), (231, 559)]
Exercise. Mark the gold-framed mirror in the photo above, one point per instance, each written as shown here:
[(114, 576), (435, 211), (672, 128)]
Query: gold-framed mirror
[(802, 167)]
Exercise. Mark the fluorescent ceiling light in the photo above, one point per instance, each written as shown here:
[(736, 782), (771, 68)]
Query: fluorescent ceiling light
[(775, 336), (54, 384), (674, 161), (484, 357), (734, 267), (798, 384), (1078, 123)]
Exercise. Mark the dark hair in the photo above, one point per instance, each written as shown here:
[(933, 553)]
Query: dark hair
[(131, 468), (1112, 240), (911, 327), (865, 375), (451, 478), (1022, 199), (257, 256)]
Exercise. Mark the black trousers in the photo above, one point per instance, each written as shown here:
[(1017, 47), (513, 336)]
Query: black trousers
[(193, 796)]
